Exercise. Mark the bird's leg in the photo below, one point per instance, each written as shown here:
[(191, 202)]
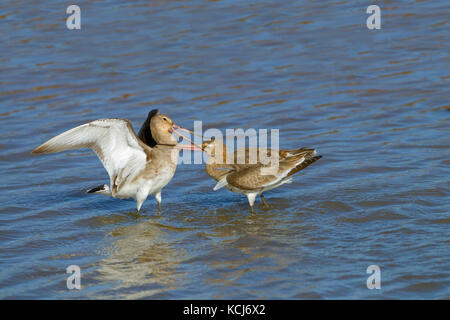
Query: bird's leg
[(264, 201), (251, 200), (158, 198), (139, 204), (140, 199)]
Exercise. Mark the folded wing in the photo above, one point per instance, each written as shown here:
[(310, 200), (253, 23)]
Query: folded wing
[(259, 176)]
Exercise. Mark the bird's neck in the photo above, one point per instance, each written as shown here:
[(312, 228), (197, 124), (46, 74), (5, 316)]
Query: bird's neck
[(211, 169), (167, 153), (212, 166)]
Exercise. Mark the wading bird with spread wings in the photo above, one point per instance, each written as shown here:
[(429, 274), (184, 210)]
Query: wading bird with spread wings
[(137, 165)]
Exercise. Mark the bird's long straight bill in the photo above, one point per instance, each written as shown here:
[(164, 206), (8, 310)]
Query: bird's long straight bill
[(187, 147), (187, 130), (193, 145)]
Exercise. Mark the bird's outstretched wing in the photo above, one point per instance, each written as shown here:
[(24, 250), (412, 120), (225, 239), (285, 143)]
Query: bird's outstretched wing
[(113, 140)]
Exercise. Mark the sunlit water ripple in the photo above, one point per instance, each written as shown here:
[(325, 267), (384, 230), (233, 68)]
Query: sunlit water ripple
[(375, 103)]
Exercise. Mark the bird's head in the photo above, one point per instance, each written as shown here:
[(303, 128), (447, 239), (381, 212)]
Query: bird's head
[(162, 127), (213, 147)]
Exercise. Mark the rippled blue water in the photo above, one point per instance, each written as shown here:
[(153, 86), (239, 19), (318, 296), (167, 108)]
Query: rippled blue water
[(375, 103)]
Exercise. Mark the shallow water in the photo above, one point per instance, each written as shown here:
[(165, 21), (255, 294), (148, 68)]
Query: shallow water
[(375, 103)]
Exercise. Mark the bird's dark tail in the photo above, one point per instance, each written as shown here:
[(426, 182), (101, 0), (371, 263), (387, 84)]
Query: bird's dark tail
[(304, 164), (103, 189)]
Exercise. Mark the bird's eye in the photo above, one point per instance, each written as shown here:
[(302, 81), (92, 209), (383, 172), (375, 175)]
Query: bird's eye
[(165, 119)]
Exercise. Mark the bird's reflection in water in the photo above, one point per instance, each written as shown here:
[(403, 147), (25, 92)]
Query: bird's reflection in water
[(141, 257), (161, 256)]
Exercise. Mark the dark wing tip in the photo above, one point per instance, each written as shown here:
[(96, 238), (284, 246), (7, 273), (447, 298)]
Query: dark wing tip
[(304, 164), (41, 149), (96, 189)]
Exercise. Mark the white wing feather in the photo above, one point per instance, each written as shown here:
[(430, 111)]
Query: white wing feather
[(222, 183), (113, 140)]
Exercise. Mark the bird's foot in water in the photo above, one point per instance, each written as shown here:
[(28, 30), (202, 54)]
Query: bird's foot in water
[(159, 209), (265, 202)]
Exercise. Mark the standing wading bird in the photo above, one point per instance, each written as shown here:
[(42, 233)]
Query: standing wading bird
[(137, 165), (248, 178)]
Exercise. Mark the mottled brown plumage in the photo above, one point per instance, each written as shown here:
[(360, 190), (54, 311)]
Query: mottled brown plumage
[(241, 173)]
